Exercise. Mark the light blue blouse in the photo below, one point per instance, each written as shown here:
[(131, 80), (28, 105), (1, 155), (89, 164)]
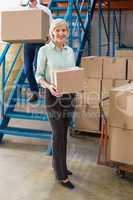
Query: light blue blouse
[(51, 58)]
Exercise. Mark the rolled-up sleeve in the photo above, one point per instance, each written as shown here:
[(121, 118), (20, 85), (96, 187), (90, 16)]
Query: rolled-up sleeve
[(71, 56), (41, 64)]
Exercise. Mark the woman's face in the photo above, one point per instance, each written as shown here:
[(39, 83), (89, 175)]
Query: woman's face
[(32, 3), (59, 34)]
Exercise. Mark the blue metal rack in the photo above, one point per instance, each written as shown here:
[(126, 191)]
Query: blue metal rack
[(7, 110), (116, 28), (78, 16)]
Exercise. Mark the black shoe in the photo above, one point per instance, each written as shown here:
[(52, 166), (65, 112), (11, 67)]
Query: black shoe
[(33, 98), (68, 184), (68, 172)]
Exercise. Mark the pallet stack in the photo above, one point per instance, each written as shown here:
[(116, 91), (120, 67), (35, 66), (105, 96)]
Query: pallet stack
[(102, 74), (87, 106), (114, 74), (120, 124)]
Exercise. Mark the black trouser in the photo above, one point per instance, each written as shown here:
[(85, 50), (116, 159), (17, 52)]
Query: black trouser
[(30, 59), (59, 110)]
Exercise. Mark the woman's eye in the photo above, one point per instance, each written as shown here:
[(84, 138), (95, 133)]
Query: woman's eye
[(57, 30), (60, 30)]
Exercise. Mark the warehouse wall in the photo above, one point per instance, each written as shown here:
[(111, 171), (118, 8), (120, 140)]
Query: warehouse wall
[(95, 34), (126, 31), (127, 28)]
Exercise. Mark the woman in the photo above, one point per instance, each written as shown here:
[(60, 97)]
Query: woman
[(56, 55)]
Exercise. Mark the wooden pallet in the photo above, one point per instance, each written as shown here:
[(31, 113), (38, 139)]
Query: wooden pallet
[(102, 157), (77, 131)]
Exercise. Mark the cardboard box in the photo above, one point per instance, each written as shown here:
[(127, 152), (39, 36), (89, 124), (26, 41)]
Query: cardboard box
[(107, 85), (91, 93), (86, 98), (87, 119), (120, 82), (121, 107), (92, 66), (114, 68), (69, 80), (124, 53), (84, 65), (130, 69), (121, 145), (29, 25)]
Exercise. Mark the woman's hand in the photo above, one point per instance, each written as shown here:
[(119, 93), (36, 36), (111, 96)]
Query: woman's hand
[(51, 88), (54, 91)]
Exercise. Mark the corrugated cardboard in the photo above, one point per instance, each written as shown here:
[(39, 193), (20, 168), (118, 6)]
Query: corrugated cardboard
[(84, 65), (120, 82), (121, 145), (31, 25), (121, 107), (92, 66), (107, 85), (87, 106), (87, 119), (93, 86), (114, 68), (68, 80), (91, 93), (124, 53), (130, 69)]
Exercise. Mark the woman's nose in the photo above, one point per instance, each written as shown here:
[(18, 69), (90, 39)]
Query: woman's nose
[(61, 32)]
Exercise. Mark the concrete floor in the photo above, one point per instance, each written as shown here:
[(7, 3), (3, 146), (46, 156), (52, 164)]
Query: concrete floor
[(26, 172)]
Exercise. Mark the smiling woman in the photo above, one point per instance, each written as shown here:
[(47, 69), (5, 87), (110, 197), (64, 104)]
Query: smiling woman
[(57, 55)]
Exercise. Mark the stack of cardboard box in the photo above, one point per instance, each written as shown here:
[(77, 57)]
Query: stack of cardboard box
[(124, 52), (114, 74), (102, 74), (128, 55), (87, 106), (120, 124)]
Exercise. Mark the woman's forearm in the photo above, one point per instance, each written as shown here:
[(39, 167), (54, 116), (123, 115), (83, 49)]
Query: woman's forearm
[(49, 86), (44, 83)]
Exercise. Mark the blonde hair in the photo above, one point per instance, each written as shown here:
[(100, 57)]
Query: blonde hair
[(55, 24)]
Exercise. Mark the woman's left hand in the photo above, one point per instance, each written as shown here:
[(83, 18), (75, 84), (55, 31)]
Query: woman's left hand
[(54, 91)]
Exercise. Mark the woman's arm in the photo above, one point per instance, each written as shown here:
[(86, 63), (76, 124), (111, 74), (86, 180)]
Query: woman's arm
[(50, 87), (41, 64), (41, 69)]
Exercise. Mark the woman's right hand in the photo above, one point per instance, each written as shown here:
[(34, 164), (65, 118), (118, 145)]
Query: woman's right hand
[(51, 88), (54, 91)]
